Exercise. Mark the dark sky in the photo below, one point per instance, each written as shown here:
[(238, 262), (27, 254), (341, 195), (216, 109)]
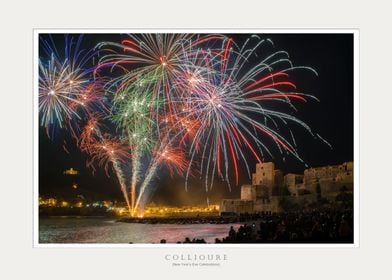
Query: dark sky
[(331, 55)]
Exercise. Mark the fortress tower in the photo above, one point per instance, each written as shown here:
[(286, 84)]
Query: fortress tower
[(264, 175)]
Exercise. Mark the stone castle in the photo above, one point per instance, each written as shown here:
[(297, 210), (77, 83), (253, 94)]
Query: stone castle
[(269, 186)]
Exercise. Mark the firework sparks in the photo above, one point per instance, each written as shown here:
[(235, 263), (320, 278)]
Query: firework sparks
[(231, 106), (186, 102), (105, 151), (66, 88)]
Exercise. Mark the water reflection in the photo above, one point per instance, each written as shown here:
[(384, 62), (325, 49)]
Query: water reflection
[(103, 230)]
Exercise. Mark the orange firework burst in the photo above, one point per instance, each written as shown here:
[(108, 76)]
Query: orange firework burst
[(102, 148), (90, 132), (189, 126), (174, 159), (184, 126), (108, 150)]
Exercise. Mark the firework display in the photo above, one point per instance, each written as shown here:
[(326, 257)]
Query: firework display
[(187, 103), (67, 92)]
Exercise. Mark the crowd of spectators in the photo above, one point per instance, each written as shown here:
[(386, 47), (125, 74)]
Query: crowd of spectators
[(188, 240), (317, 226)]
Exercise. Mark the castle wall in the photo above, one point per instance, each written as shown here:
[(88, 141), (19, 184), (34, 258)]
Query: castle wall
[(304, 199), (239, 206), (269, 187), (329, 178), (263, 193), (278, 187), (248, 192), (293, 182), (272, 205)]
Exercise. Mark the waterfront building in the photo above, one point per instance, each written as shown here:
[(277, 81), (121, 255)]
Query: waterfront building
[(269, 186)]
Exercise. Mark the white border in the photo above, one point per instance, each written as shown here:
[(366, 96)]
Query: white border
[(356, 191)]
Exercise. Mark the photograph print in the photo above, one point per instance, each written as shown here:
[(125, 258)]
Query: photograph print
[(209, 138)]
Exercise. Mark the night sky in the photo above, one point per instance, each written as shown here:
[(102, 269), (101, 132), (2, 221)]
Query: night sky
[(331, 55)]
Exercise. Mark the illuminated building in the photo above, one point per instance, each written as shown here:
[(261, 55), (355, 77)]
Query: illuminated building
[(269, 186), (71, 171)]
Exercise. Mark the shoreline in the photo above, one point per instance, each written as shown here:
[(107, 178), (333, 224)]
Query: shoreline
[(186, 220)]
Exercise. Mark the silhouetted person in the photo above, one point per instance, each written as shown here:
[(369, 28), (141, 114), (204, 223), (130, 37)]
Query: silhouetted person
[(345, 232), (232, 233)]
